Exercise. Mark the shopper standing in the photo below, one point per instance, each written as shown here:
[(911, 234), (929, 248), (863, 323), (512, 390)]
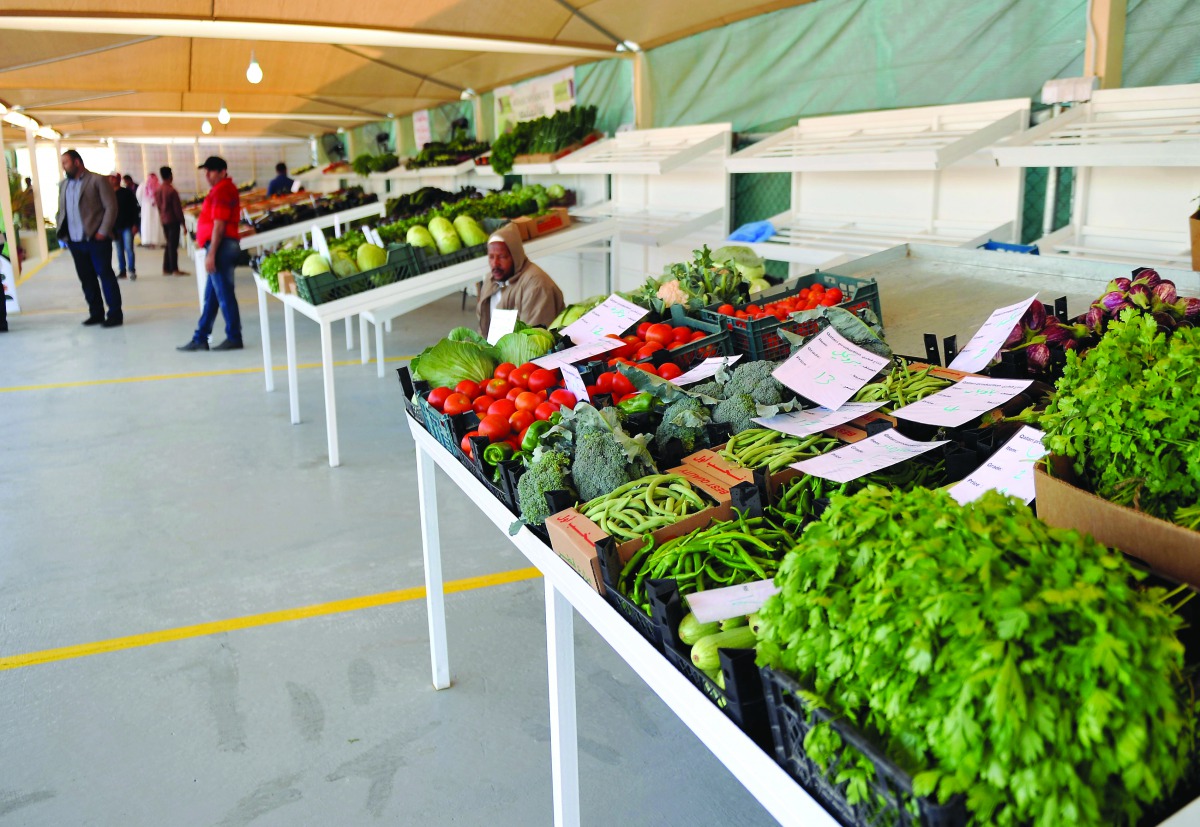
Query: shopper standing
[(87, 211), (127, 219), (169, 208), (280, 184), (151, 225), (130, 184), (217, 233)]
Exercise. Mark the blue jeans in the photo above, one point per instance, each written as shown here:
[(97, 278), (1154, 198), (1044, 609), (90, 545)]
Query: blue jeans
[(219, 293), (123, 241), (93, 265)]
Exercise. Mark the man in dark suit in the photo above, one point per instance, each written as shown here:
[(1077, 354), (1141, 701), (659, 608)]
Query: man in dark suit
[(87, 211)]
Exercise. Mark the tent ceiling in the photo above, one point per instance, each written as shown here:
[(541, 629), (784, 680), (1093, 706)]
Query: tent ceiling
[(76, 80)]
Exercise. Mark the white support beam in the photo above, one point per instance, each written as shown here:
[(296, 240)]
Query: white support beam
[(1104, 51), (201, 113), (10, 228), (35, 180)]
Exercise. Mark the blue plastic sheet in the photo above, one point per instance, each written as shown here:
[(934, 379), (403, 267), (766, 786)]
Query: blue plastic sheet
[(754, 231)]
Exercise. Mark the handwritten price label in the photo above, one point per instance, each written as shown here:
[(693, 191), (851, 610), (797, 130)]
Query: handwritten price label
[(613, 315), (960, 403), (872, 454), (988, 340), (1009, 471), (829, 369), (712, 605), (705, 370), (815, 420)]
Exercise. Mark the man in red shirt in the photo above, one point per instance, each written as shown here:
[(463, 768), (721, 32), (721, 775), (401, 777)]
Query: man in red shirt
[(217, 233)]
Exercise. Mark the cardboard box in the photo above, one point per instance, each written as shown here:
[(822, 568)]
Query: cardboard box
[(556, 219), (717, 489), (524, 226), (1170, 549), (573, 538), (1194, 224), (287, 283)]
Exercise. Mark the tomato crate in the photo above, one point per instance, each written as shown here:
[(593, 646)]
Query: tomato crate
[(718, 342), (889, 799), (447, 430), (402, 262), (760, 339)]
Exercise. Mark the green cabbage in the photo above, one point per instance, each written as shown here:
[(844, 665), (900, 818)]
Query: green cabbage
[(466, 334), (745, 261), (449, 362), (524, 346)]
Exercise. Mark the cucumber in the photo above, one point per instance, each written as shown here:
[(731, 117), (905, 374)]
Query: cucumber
[(704, 651), (733, 623), (755, 622), (691, 630)]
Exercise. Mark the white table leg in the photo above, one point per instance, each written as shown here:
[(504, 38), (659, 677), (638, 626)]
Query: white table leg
[(330, 394), (264, 330), (289, 333), (431, 542), (564, 737), (349, 333), (379, 349), (363, 339)]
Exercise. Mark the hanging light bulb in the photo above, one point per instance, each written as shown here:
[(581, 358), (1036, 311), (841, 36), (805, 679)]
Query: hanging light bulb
[(206, 127), (223, 115), (254, 72)]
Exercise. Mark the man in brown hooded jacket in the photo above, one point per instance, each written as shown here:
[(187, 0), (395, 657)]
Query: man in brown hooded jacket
[(516, 283)]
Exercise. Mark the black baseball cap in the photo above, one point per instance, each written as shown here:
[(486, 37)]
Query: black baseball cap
[(215, 163)]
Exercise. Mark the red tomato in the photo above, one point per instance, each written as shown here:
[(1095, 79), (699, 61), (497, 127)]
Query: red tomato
[(468, 387), (466, 443), (642, 328), (503, 370), (497, 388), (519, 377), (528, 367), (604, 382), (681, 333), (546, 410), (669, 371), (836, 293), (725, 310), (513, 393), (563, 397), (528, 401), (503, 407), (620, 360), (829, 301), (697, 335), (592, 390), (456, 403), (495, 427), (741, 314), (751, 309), (542, 379), (804, 294), (647, 350), (817, 288), (437, 398), (674, 345), (660, 333), (514, 442), (622, 385), (520, 420), (649, 368), (480, 406), (616, 398), (521, 435), (544, 394)]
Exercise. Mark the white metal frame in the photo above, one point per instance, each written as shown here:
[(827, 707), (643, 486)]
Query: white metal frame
[(865, 182)]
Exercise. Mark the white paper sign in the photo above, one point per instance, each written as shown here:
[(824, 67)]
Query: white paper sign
[(1009, 471), (988, 340), (815, 420), (578, 353), (372, 236), (320, 244), (829, 369), (613, 315), (705, 370), (573, 382), (885, 449), (503, 322), (962, 402), (422, 131), (712, 605)]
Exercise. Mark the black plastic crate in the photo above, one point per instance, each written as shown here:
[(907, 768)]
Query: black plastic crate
[(428, 261), (760, 339), (327, 287), (484, 474), (410, 387), (447, 430), (610, 571), (890, 796)]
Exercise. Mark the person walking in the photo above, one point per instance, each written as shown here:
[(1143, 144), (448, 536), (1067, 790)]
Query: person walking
[(87, 212), (280, 184), (124, 228), (151, 229), (217, 233), (130, 184), (169, 208)]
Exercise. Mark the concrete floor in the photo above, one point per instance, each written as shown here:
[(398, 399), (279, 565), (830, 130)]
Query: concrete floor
[(139, 506)]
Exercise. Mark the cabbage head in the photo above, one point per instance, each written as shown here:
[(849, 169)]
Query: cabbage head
[(449, 362), (525, 345), (747, 262)]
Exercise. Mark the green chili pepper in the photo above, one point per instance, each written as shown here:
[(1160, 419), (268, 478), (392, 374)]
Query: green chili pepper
[(534, 433), (497, 452), (638, 403)]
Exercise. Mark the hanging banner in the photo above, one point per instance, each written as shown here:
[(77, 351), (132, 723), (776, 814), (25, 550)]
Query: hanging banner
[(533, 99), (422, 131)]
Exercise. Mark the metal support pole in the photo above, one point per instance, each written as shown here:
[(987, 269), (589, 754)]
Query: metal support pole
[(39, 218)]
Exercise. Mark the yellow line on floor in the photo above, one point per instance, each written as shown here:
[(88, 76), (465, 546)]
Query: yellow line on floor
[(26, 275), (127, 307), (352, 604), (193, 375)]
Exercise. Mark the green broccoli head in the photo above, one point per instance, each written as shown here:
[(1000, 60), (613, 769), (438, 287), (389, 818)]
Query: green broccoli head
[(755, 379), (736, 412), (673, 424), (549, 472), (712, 389), (600, 465)]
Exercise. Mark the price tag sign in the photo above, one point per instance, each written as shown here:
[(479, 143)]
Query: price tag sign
[(988, 340), (1009, 471), (578, 353), (705, 370), (872, 454), (613, 315), (372, 236), (829, 369), (503, 322), (712, 605), (320, 244), (573, 382), (815, 420), (960, 403)]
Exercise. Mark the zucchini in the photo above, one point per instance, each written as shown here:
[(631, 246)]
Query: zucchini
[(691, 630), (755, 621), (733, 623), (704, 651)]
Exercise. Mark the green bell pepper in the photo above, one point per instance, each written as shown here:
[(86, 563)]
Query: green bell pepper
[(533, 433), (497, 452), (638, 403)]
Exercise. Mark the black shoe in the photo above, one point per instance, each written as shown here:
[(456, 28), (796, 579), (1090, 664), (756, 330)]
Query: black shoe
[(91, 320), (121, 274), (228, 345), (112, 322), (194, 345), (132, 276)]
